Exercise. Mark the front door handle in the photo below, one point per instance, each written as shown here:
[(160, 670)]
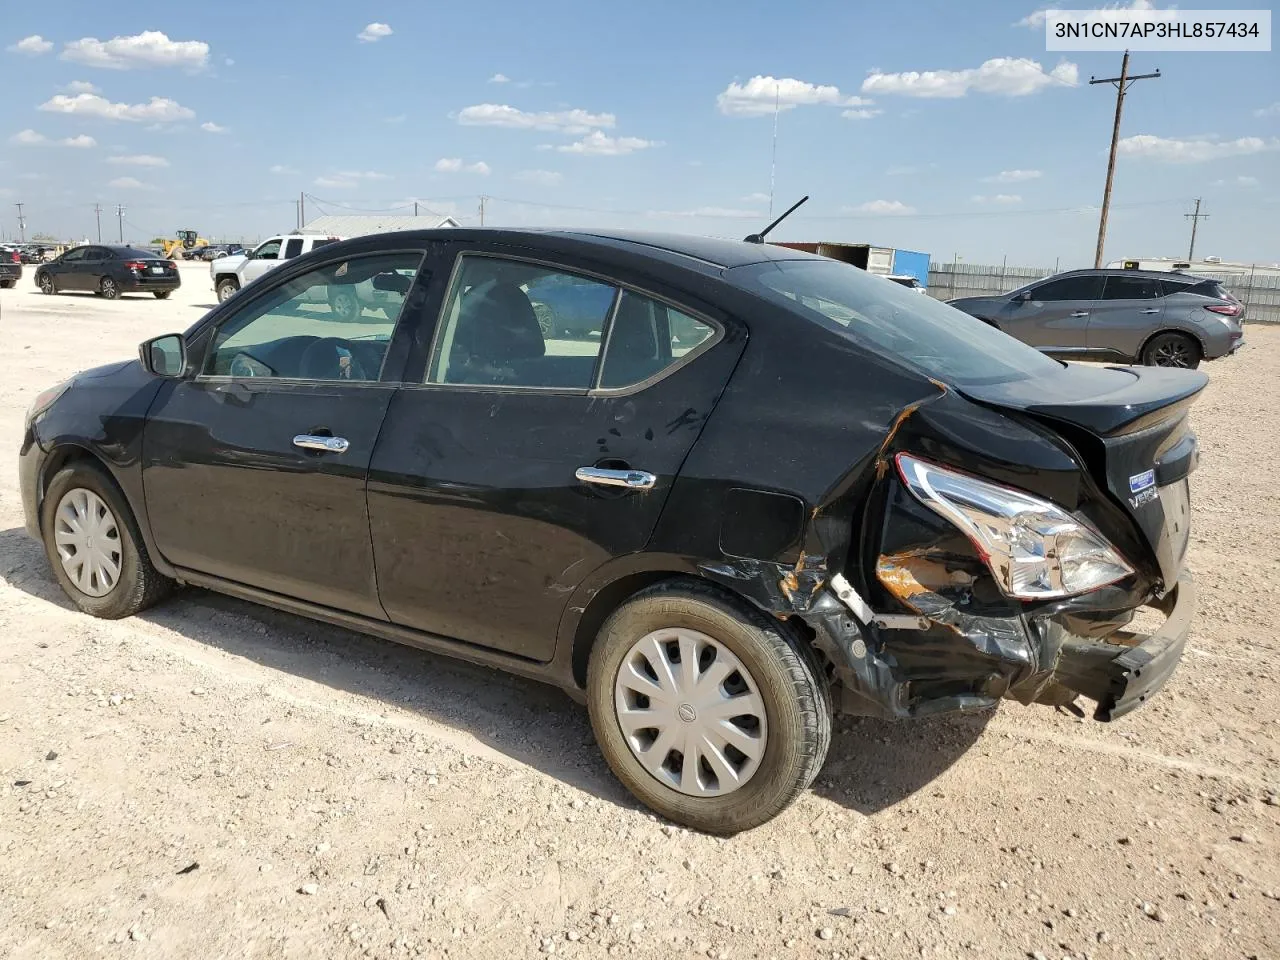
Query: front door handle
[(628, 479), (309, 441), (1081, 313), (1152, 310)]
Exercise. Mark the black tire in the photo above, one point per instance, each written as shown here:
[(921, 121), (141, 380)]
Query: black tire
[(226, 287), (140, 585), (786, 673), (1172, 350), (345, 306), (108, 289), (7, 284), (46, 284), (161, 294)]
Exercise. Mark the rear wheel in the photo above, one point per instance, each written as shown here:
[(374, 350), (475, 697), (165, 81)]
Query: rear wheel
[(709, 713), (46, 284), (94, 547), (1172, 350), (345, 305), (226, 287), (162, 294), (7, 284), (108, 288)]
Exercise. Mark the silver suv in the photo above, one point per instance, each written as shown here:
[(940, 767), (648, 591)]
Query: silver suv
[(1136, 316)]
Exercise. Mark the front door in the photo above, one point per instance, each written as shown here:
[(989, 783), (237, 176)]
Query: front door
[(254, 470), (1056, 314), (67, 270), (1128, 313), (530, 453), (266, 256)]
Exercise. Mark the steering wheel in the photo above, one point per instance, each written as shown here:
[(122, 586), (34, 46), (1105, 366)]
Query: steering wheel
[(243, 365), (331, 358)]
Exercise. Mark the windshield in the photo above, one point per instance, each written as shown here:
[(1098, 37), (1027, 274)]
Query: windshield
[(930, 336)]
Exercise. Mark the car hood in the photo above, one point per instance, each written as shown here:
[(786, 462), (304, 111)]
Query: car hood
[(106, 370), (227, 264)]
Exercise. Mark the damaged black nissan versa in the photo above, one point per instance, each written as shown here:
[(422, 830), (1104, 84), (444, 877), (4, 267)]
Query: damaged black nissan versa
[(752, 488)]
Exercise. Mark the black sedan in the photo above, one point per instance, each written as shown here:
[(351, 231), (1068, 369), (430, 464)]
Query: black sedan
[(826, 494), (109, 272), (10, 267)]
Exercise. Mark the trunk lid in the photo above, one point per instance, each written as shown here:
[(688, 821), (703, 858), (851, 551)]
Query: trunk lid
[(1130, 426)]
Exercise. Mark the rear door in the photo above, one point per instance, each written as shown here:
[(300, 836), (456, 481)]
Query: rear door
[(254, 469), (1056, 314), (523, 460), (1128, 313)]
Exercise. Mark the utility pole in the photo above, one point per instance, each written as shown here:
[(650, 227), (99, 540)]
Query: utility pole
[(415, 208), (483, 198), (120, 220), (1122, 84), (1195, 219), (22, 223), (97, 215), (302, 210)]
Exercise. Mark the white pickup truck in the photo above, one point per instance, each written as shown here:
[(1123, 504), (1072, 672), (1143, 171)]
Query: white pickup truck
[(229, 274)]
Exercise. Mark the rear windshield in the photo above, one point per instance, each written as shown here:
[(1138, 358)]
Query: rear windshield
[(936, 339), (132, 253), (1211, 288)]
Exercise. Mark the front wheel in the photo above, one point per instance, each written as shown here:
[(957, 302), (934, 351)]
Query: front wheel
[(162, 294), (226, 287), (93, 545), (709, 713), (108, 288), (1172, 350), (46, 284)]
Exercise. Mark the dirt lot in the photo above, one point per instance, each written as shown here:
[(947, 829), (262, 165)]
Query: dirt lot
[(217, 780)]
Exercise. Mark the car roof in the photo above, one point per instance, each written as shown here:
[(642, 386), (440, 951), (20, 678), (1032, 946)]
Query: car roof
[(1121, 272)]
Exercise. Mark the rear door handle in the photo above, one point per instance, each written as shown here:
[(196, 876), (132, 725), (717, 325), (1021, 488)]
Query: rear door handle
[(1081, 313), (628, 479), (309, 441), (1152, 310)]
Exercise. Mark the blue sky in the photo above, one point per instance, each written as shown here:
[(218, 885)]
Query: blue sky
[(940, 127)]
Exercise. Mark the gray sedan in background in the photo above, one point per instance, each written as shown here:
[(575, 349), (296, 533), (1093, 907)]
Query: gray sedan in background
[(1134, 316)]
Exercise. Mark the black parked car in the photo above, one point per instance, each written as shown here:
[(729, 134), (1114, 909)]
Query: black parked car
[(10, 267), (109, 272), (843, 495)]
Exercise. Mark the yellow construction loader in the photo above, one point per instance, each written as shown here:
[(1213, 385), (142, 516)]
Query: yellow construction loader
[(185, 245)]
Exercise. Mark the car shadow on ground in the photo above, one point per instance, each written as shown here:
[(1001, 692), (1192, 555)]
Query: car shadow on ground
[(872, 765)]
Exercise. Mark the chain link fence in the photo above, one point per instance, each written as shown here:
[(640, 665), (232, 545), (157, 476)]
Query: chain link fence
[(1260, 293)]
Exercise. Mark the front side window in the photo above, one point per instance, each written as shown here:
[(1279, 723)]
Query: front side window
[(331, 323), (1085, 287), (922, 332), (1131, 288), (268, 251), (516, 324), (71, 256)]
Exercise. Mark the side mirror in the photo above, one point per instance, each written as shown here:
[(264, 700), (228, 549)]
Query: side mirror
[(1023, 297), (164, 356)]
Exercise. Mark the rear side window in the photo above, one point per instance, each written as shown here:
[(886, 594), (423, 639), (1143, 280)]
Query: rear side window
[(933, 338), (1168, 286), (323, 243), (292, 248), (1131, 288), (1086, 287), (645, 338), (1211, 288)]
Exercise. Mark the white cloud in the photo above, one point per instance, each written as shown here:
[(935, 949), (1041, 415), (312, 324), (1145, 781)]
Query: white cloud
[(34, 45), (148, 49), (81, 86), (1005, 76), (456, 165), (127, 183), (756, 198), (598, 144), (882, 208), (157, 110), (33, 138), (998, 198), (543, 178), (374, 32), (1129, 11), (210, 127), (758, 96), (138, 160), (349, 178), (726, 213), (1013, 176), (910, 170), (1270, 111), (564, 121), (1237, 182), (281, 168), (229, 62), (861, 113), (398, 118), (499, 78), (1168, 150)]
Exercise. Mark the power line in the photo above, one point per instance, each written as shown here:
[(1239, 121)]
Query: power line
[(1195, 219), (1122, 84)]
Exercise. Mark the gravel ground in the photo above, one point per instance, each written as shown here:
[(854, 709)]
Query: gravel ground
[(214, 779)]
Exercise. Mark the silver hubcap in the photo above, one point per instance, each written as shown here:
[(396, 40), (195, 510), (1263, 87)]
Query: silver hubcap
[(88, 542), (108, 287), (46, 284), (690, 712)]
